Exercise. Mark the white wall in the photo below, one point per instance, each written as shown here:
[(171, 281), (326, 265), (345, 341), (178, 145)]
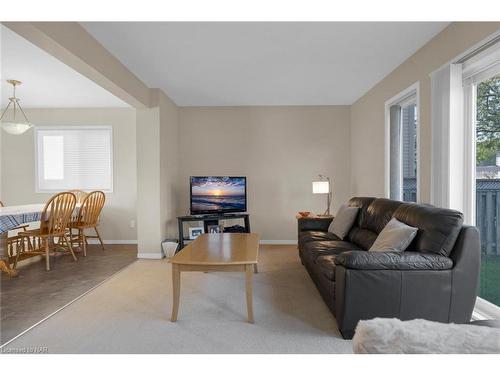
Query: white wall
[(18, 165), (280, 150)]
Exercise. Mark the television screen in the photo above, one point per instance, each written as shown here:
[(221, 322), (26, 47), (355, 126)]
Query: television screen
[(212, 194)]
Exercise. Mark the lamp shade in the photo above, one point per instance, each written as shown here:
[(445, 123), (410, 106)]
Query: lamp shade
[(321, 187), (15, 128)]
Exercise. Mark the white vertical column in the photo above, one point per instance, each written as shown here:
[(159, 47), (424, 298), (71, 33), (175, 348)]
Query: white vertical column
[(157, 172), (448, 142)]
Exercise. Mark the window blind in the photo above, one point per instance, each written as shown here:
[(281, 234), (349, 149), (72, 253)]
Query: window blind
[(74, 158)]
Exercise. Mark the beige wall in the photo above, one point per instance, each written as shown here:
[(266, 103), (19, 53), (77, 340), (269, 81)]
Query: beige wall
[(169, 168), (18, 165), (281, 150), (367, 114), (148, 187), (157, 168)]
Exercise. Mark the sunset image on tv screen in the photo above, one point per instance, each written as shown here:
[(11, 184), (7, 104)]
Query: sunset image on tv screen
[(218, 194)]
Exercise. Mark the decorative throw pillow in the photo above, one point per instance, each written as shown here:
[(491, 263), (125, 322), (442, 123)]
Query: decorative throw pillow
[(396, 236), (344, 220)]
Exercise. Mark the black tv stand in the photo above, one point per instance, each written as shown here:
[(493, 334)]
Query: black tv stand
[(209, 219)]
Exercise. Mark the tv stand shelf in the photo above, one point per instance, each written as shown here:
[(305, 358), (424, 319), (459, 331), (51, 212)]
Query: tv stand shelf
[(209, 219)]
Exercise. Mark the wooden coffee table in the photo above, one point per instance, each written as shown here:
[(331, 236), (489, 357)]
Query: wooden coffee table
[(217, 252)]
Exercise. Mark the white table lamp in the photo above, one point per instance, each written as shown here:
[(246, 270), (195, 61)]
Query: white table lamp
[(323, 187)]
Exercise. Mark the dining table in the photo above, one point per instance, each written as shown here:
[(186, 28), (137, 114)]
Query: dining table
[(12, 217)]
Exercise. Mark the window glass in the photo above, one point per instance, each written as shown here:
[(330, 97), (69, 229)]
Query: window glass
[(488, 186), (74, 158)]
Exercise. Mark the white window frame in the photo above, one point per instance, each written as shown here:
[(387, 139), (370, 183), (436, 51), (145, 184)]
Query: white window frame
[(72, 127), (409, 95), (475, 70)]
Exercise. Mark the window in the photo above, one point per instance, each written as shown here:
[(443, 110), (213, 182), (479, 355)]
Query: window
[(74, 158), (402, 145), (481, 85), (488, 185)]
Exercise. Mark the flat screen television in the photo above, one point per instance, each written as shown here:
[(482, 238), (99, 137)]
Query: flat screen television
[(218, 194)]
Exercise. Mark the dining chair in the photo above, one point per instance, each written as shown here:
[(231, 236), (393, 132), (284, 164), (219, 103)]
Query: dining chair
[(53, 223), (88, 217), (79, 194), (16, 243)]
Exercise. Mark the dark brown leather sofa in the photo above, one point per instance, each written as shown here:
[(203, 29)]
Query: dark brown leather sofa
[(436, 278)]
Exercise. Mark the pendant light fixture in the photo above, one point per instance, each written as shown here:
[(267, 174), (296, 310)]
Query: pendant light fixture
[(15, 126)]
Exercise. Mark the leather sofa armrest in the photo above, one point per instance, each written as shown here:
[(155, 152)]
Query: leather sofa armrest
[(407, 260), (314, 223)]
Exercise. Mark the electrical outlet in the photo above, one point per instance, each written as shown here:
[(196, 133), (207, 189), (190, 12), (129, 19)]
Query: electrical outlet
[(132, 224)]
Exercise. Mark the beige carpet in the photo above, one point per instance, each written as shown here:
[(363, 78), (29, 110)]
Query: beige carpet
[(130, 313)]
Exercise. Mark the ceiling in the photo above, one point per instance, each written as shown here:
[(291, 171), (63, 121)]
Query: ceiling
[(228, 64), (47, 82)]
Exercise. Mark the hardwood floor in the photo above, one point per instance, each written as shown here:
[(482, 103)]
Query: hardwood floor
[(36, 293)]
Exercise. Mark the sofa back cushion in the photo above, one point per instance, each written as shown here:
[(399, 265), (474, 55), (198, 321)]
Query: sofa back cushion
[(356, 235), (438, 228), (363, 203), (379, 213), (375, 217)]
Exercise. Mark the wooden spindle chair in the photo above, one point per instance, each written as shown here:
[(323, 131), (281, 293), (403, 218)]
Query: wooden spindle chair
[(16, 243), (79, 194), (88, 217), (54, 222)]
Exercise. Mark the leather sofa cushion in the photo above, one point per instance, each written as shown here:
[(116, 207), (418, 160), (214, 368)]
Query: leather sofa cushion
[(315, 249), (363, 238), (313, 236), (372, 218), (317, 236), (363, 203), (326, 264), (438, 227), (407, 260), (378, 214)]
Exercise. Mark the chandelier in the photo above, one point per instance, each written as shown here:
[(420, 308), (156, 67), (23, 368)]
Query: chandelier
[(15, 126)]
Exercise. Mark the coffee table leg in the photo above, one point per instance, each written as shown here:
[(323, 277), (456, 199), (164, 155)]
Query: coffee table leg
[(255, 268), (176, 283), (248, 281)]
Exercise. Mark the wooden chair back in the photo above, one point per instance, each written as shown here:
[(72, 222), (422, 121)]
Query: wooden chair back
[(57, 213), (79, 194), (91, 208)]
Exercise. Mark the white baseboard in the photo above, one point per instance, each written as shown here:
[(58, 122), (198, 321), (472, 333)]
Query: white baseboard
[(485, 310), (278, 242), (150, 255), (95, 241)]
